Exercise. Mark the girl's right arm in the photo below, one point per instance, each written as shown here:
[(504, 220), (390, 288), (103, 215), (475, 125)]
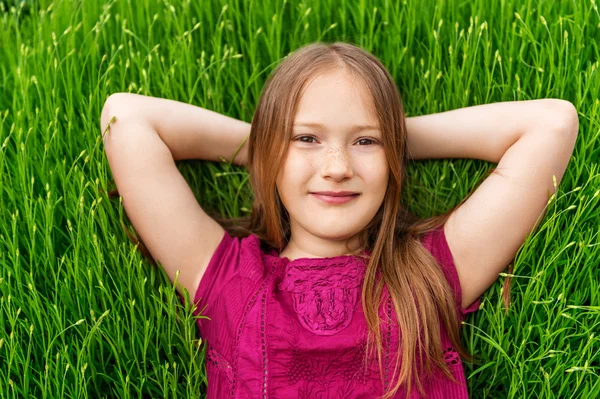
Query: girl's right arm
[(189, 131), (164, 211)]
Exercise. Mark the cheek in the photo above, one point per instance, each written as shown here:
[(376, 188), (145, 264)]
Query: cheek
[(298, 165), (380, 173), (288, 176), (377, 168)]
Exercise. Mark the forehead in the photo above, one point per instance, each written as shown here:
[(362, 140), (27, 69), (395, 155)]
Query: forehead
[(335, 100)]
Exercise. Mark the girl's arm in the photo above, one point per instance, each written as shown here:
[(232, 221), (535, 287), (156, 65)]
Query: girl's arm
[(483, 132), (189, 131), (532, 142)]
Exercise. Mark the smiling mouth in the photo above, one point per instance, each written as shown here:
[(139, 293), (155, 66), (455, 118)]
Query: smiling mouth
[(335, 199)]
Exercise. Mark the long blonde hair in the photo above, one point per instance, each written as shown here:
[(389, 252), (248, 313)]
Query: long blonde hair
[(419, 291)]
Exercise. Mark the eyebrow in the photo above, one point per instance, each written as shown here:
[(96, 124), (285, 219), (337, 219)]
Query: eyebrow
[(355, 128)]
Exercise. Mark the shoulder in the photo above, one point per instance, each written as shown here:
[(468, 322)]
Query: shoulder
[(436, 243), (239, 253), (235, 262)]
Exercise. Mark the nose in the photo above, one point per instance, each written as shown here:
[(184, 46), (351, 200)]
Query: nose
[(336, 164)]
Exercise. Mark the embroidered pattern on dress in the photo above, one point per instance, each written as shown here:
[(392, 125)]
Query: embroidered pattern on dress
[(324, 294), (316, 375), (321, 374), (219, 362), (388, 341), (263, 341), (451, 356), (262, 333), (348, 365)]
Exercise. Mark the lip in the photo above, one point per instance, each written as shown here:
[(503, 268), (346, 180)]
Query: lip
[(335, 193), (337, 199)]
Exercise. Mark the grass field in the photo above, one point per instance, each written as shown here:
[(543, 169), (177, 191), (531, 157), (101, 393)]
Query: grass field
[(84, 315)]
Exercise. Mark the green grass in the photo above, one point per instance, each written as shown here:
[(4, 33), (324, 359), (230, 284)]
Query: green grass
[(84, 315)]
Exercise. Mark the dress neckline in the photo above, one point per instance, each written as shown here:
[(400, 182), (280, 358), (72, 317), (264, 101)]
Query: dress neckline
[(317, 260)]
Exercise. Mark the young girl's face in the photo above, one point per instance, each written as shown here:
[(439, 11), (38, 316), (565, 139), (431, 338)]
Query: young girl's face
[(336, 156)]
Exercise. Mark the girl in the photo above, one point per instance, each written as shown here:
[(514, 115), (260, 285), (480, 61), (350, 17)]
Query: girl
[(329, 266)]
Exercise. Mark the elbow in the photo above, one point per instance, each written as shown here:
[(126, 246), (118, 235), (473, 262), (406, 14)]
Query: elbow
[(108, 110), (563, 115), (117, 104)]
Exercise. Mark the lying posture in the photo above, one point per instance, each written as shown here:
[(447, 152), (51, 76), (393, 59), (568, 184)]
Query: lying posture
[(329, 266)]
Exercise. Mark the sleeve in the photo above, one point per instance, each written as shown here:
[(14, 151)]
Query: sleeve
[(437, 244), (233, 273), (219, 271)]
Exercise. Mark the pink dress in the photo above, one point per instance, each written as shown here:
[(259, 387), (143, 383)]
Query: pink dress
[(296, 329)]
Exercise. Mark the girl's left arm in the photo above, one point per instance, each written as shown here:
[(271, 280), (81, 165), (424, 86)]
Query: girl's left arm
[(531, 141), (485, 131)]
